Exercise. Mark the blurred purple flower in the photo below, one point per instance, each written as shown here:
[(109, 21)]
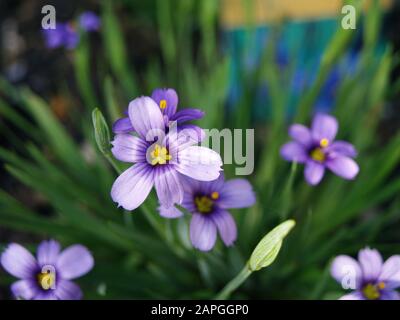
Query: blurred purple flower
[(48, 276), (159, 158), (66, 35), (370, 277), (208, 202), (167, 100), (89, 21), (317, 149)]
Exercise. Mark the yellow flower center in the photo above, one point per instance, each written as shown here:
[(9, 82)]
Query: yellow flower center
[(159, 155), (46, 280), (372, 291), (215, 195), (324, 143), (318, 155), (163, 104), (204, 204)]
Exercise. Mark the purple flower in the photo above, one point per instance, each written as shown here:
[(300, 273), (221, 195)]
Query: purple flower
[(208, 202), (48, 276), (370, 277), (159, 158), (89, 21), (317, 149), (167, 101), (64, 35)]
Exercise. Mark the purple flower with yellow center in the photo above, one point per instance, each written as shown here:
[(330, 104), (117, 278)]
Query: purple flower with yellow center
[(208, 202), (318, 150), (167, 101), (49, 275), (159, 157), (369, 277)]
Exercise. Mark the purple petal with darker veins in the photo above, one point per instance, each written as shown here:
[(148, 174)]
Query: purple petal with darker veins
[(128, 148), (356, 295), (170, 212), (203, 232), (226, 226), (195, 133), (146, 118), (314, 172), (344, 167), (371, 263), (199, 163), (67, 290), (390, 274), (236, 193), (133, 186), (18, 261), (74, 261), (25, 289), (187, 115), (324, 127), (345, 268), (47, 252), (209, 187), (122, 125), (294, 151), (168, 186), (301, 134), (342, 148), (171, 99)]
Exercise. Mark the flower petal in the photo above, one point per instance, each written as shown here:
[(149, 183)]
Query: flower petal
[(371, 263), (301, 134), (344, 167), (236, 193), (146, 118), (356, 295), (226, 226), (170, 213), (67, 290), (294, 151), (390, 273), (195, 133), (18, 261), (342, 148), (168, 186), (171, 99), (128, 148), (203, 232), (346, 271), (122, 125), (390, 295), (199, 163), (47, 252), (25, 289), (314, 172), (74, 261), (324, 127), (133, 186), (187, 115)]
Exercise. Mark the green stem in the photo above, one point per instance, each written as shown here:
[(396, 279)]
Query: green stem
[(234, 283)]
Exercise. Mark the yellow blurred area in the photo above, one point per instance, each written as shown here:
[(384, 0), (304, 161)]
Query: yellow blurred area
[(233, 13)]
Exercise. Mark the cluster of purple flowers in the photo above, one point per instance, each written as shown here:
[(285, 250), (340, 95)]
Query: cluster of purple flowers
[(165, 154), (163, 147), (66, 34)]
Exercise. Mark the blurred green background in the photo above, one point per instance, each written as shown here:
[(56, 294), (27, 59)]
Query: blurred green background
[(55, 183)]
